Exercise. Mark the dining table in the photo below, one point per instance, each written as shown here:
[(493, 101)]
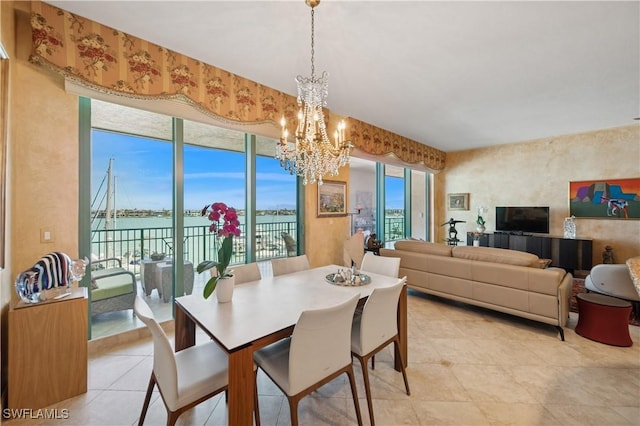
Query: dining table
[(263, 312)]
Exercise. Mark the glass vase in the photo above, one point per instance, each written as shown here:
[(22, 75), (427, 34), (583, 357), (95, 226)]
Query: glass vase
[(570, 227)]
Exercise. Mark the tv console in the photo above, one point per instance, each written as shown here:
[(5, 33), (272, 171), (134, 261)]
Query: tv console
[(566, 253)]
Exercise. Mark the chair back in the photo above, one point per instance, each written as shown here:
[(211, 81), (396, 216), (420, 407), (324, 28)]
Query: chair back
[(320, 344), (246, 273), (290, 244), (353, 250), (383, 265), (379, 317), (288, 265), (164, 361)]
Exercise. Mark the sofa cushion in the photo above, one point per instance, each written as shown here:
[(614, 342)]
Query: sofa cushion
[(112, 286), (495, 255), (423, 247)]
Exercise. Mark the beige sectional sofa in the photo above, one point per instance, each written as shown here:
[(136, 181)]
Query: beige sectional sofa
[(509, 281)]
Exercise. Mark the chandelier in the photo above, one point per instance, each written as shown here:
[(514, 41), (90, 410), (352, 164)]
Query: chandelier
[(312, 155)]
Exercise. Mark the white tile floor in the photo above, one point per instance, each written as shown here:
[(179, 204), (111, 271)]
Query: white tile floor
[(467, 366)]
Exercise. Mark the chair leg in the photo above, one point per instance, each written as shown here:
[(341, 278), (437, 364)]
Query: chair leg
[(367, 389), (172, 417), (256, 403), (293, 409), (373, 362), (147, 399), (396, 342), (354, 393)]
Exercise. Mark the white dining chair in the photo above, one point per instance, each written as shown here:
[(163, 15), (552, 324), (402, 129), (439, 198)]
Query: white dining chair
[(185, 378), (287, 265), (246, 273), (383, 265), (317, 352), (375, 329), (353, 250)]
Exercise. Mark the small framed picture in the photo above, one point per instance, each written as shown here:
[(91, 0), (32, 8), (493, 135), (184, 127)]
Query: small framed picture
[(458, 201), (332, 199)]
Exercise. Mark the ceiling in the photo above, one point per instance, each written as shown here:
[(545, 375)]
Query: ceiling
[(453, 75)]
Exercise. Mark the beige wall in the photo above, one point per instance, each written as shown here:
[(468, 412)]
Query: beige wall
[(324, 237), (538, 173), (42, 159), (44, 156)]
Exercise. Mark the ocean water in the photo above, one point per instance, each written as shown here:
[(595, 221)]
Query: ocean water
[(166, 221)]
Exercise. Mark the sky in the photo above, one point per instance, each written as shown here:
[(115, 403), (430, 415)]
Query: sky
[(143, 174)]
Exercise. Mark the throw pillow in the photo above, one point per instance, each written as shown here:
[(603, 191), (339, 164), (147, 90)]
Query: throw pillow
[(544, 263)]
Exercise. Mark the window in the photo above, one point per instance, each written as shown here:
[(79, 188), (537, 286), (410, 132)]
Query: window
[(394, 195), (144, 167)]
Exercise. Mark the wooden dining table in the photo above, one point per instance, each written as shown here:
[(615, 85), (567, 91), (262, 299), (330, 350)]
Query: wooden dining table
[(263, 312)]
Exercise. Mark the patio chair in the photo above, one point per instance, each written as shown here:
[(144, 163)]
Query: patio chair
[(113, 288), (290, 243)]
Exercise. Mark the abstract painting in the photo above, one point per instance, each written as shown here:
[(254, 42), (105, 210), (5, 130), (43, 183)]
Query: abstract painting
[(605, 198)]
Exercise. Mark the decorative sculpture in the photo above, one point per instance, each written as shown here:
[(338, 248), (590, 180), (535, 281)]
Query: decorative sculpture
[(607, 255), (453, 232), (50, 277)]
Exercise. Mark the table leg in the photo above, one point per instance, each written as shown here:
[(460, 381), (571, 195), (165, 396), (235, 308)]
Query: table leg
[(241, 387), (185, 330), (402, 330)]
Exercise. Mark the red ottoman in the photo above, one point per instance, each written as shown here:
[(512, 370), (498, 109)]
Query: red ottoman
[(604, 319)]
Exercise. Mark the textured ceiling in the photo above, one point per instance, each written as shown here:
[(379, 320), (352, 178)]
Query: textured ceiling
[(453, 75)]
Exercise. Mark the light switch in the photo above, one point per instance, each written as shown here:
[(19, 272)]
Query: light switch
[(46, 236)]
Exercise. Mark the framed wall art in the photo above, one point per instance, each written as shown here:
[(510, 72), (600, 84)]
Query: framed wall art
[(332, 199), (459, 201), (605, 198)]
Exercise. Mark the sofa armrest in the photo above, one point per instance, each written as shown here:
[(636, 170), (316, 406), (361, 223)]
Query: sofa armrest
[(105, 261), (115, 272)]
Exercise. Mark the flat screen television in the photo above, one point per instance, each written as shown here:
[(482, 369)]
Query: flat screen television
[(522, 220)]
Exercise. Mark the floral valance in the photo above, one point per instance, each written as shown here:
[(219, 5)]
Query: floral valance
[(95, 55), (377, 141)]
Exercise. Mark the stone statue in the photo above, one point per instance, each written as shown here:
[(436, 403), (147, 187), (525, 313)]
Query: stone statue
[(607, 255), (453, 232)]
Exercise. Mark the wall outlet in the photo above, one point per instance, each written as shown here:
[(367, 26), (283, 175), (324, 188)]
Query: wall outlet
[(46, 235)]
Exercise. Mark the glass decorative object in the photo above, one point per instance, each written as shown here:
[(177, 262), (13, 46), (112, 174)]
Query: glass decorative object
[(570, 227), (50, 278)]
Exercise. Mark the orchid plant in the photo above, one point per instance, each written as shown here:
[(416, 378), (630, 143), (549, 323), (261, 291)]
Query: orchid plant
[(225, 224), (480, 220)]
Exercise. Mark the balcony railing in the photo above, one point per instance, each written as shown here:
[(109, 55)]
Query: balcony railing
[(133, 245), (393, 228)]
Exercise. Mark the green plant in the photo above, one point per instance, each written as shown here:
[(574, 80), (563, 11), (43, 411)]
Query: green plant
[(225, 224), (480, 220)]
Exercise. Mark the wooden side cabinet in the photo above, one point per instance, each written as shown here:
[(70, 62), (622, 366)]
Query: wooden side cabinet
[(48, 351)]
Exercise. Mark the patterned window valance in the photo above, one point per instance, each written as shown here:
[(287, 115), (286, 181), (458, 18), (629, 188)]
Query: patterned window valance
[(97, 56)]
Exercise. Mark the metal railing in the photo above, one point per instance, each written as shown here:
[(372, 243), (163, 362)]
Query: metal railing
[(393, 228), (133, 245)]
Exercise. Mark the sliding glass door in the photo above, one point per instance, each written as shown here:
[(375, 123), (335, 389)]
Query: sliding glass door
[(131, 205)]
